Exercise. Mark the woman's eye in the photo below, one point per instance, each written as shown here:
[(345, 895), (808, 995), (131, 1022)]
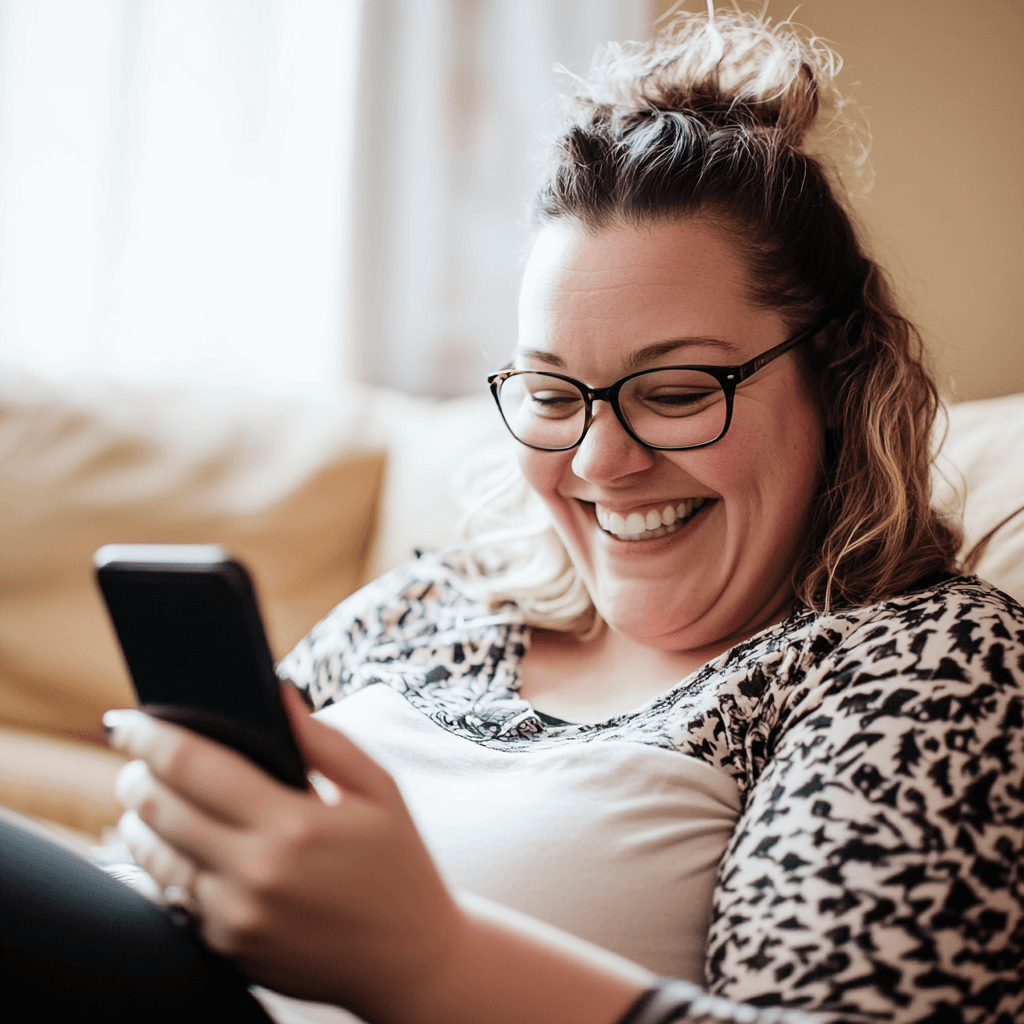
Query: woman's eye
[(555, 403), (681, 400), (553, 398), (674, 391)]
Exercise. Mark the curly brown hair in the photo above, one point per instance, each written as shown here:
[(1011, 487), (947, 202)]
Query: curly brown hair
[(712, 119)]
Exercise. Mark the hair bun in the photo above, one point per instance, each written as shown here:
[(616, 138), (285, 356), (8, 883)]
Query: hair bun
[(733, 68)]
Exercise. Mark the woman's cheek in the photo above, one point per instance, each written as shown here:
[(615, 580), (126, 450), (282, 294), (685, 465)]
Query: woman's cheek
[(543, 470)]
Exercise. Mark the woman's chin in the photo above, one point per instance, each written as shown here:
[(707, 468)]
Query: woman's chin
[(664, 627)]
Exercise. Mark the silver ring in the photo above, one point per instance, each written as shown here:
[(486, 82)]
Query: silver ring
[(183, 897)]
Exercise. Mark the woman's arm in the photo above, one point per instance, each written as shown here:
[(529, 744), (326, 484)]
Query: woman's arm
[(877, 865), (336, 899)]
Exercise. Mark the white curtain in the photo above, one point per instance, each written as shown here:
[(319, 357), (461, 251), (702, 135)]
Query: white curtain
[(274, 192), (454, 94), (173, 187)]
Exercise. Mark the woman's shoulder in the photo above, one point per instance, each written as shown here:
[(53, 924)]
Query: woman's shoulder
[(949, 592), (927, 654), (959, 620), (928, 661), (960, 627), (417, 601)]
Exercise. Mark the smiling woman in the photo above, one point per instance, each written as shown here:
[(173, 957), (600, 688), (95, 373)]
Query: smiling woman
[(698, 687), (724, 736)]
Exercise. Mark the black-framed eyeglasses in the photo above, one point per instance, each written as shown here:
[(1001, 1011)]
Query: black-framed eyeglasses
[(668, 408)]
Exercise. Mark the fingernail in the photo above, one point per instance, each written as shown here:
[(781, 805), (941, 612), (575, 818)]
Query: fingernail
[(133, 832), (133, 775), (116, 725)]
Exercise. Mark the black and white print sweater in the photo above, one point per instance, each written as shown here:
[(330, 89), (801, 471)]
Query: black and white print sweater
[(876, 870)]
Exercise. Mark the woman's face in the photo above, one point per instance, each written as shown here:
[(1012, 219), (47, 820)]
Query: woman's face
[(590, 306)]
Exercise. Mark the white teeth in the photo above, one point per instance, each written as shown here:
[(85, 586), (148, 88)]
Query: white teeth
[(635, 523), (644, 526)]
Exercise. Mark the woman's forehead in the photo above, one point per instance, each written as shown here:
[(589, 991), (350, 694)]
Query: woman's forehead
[(626, 289), (661, 249)]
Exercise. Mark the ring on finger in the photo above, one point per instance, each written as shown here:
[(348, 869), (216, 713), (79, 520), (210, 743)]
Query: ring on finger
[(181, 895)]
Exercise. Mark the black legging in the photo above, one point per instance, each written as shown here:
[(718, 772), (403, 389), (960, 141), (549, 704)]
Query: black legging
[(78, 943)]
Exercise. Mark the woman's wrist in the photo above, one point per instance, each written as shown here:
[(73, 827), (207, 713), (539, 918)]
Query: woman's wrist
[(670, 1001)]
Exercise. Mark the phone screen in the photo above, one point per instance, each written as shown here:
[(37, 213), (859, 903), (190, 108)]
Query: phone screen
[(186, 641)]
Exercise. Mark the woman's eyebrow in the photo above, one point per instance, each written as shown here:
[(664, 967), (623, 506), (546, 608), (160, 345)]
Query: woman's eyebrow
[(635, 360), (539, 354)]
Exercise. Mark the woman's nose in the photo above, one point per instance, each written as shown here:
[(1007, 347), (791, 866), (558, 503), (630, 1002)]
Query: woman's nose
[(607, 452)]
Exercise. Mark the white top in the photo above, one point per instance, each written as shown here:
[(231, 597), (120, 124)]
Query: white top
[(615, 842)]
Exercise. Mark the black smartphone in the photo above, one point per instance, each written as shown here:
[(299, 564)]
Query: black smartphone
[(189, 625)]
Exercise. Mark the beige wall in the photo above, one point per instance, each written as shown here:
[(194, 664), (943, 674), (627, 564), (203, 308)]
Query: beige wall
[(942, 83)]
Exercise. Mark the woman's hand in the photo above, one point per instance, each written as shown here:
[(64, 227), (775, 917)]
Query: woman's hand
[(338, 900), (335, 901)]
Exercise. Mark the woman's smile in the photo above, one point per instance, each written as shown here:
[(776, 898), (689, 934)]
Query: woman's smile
[(648, 521)]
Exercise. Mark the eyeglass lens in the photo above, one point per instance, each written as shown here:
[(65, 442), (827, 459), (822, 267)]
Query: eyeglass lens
[(665, 408)]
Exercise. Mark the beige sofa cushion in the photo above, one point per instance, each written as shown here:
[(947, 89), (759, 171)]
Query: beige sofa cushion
[(66, 783), (430, 443), (291, 487)]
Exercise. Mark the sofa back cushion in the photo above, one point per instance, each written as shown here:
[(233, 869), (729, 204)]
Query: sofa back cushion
[(291, 487), (294, 487)]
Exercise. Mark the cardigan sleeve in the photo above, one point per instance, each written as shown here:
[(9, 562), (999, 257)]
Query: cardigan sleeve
[(877, 867)]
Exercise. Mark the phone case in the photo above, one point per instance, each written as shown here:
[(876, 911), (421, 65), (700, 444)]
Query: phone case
[(188, 622)]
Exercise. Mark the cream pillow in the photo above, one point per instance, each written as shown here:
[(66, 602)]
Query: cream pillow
[(980, 472)]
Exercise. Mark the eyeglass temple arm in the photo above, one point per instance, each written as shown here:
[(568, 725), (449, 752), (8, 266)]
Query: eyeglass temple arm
[(762, 360)]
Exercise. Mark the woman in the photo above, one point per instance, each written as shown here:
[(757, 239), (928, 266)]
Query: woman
[(730, 713)]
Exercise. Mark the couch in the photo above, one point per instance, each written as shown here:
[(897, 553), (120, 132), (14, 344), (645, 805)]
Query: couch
[(317, 494)]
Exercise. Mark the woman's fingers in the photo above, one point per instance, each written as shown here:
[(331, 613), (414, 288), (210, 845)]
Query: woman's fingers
[(227, 785), (275, 875), (221, 782), (160, 861), (160, 822)]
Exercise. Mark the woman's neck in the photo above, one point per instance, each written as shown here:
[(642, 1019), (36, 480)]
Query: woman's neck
[(605, 675)]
